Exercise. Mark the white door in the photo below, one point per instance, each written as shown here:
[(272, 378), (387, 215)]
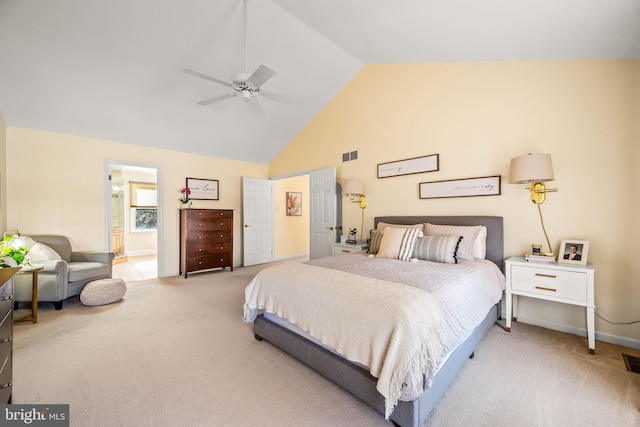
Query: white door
[(323, 208), (257, 216)]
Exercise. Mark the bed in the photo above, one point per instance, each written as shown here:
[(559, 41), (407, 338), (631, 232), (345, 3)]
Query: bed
[(326, 357)]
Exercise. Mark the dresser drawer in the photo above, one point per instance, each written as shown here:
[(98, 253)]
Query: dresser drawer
[(208, 248), (5, 372), (205, 262), (209, 224), (195, 214), (567, 285), (206, 237)]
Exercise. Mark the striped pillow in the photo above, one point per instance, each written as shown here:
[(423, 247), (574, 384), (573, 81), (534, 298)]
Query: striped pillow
[(398, 243), (437, 248), (468, 233), (376, 238)]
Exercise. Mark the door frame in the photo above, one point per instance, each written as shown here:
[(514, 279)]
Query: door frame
[(108, 166)]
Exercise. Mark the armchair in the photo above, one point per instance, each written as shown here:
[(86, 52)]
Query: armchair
[(65, 277)]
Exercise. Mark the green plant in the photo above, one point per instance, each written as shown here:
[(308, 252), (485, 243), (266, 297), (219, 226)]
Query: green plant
[(12, 255), (353, 231)]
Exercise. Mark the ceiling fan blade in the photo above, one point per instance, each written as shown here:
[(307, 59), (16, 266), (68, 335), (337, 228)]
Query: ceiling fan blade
[(282, 98), (204, 76), (216, 99), (255, 108), (261, 75)]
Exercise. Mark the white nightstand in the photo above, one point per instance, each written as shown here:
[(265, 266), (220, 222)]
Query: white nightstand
[(566, 283), (346, 248)]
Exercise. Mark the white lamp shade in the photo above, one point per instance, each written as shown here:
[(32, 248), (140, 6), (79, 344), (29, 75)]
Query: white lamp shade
[(532, 167), (353, 186)]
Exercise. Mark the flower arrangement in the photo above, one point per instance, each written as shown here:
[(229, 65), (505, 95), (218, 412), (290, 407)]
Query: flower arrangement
[(184, 198), (12, 254)]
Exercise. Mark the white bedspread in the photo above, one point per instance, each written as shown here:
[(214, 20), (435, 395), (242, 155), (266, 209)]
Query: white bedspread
[(462, 294), (395, 330)]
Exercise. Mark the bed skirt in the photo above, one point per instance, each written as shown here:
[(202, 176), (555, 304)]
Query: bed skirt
[(359, 381)]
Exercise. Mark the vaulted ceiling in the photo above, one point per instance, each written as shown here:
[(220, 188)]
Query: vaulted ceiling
[(113, 69)]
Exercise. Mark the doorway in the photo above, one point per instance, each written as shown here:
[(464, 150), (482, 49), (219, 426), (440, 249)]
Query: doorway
[(133, 219)]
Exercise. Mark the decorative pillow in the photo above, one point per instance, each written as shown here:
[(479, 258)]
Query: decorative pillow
[(398, 243), (437, 248), (469, 234), (40, 251), (480, 245), (383, 225), (374, 244)]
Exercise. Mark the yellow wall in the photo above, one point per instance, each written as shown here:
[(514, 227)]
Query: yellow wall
[(137, 242), (55, 184), (477, 116), (292, 232)]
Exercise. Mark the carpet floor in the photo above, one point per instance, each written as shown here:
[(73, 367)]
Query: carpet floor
[(175, 352)]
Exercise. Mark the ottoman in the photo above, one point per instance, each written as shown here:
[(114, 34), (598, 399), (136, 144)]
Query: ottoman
[(103, 291)]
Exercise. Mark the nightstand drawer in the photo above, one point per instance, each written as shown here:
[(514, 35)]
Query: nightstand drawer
[(343, 249), (557, 283)]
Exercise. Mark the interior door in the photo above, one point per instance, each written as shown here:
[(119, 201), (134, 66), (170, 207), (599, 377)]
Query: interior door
[(323, 208), (257, 214)]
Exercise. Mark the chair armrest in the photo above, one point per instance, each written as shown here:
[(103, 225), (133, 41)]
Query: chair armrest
[(53, 266), (104, 257)]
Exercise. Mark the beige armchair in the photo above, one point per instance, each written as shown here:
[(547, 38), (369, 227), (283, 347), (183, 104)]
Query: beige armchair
[(65, 277)]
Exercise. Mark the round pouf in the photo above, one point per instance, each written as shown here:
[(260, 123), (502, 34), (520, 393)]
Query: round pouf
[(103, 291)]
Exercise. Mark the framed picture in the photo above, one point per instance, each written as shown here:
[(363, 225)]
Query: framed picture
[(294, 204), (203, 189), (573, 252), (467, 187), (422, 164)]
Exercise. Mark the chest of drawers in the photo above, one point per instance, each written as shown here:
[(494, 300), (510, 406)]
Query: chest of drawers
[(6, 333), (206, 239), (564, 283)]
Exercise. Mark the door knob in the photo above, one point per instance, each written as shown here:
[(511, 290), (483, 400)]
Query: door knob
[(247, 226), (331, 228)]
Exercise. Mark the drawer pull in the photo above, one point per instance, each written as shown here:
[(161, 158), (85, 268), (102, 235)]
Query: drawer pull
[(10, 297), (221, 224), (546, 275), (345, 250), (4, 340), (7, 385), (199, 237), (546, 289)]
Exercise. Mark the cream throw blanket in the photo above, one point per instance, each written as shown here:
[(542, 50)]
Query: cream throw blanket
[(394, 329)]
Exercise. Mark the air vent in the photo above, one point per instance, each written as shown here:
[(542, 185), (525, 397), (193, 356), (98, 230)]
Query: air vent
[(350, 156), (632, 363)]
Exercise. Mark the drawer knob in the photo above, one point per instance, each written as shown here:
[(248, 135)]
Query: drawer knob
[(199, 237), (222, 235), (7, 385), (4, 340), (221, 224), (200, 250)]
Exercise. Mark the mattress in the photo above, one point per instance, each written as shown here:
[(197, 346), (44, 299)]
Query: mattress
[(464, 292)]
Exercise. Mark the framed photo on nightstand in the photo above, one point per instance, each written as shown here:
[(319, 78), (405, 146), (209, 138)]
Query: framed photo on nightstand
[(573, 252)]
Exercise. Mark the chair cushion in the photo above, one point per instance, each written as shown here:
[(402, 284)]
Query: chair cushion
[(103, 291), (87, 271)]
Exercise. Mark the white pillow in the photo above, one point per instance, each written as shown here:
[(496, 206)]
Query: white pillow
[(383, 225), (480, 245), (398, 243), (40, 251), (469, 235)]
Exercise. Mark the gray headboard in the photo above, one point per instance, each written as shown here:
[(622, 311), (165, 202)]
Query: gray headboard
[(495, 232)]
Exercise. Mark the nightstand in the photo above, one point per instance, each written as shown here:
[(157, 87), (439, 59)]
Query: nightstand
[(346, 248), (565, 283)]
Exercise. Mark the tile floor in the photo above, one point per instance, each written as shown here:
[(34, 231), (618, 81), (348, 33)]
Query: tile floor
[(139, 267)]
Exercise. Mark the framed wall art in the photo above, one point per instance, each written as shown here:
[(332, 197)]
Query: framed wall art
[(203, 189), (467, 187), (415, 165), (573, 252), (294, 204)]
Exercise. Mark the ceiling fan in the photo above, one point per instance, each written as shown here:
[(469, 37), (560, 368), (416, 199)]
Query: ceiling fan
[(247, 86)]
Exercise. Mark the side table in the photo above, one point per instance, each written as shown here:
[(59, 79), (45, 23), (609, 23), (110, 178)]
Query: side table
[(33, 270), (348, 248)]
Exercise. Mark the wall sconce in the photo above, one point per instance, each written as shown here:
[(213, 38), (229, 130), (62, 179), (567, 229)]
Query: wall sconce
[(354, 189), (534, 170)]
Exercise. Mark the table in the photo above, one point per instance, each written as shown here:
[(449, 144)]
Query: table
[(33, 270), (564, 283)]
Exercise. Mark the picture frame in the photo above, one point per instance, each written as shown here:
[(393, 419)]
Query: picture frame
[(465, 187), (430, 163), (580, 247), (203, 189), (294, 203)]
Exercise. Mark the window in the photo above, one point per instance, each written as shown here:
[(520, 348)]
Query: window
[(144, 219)]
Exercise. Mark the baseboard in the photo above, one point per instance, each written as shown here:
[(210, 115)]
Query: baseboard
[(145, 252), (283, 258), (582, 332)]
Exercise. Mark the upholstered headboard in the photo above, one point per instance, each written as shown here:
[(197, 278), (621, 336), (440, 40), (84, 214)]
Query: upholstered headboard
[(495, 232)]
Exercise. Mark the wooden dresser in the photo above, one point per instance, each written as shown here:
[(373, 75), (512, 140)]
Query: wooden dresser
[(206, 239), (6, 333)]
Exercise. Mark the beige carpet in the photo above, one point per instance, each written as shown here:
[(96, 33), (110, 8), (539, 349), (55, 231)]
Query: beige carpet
[(175, 352)]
